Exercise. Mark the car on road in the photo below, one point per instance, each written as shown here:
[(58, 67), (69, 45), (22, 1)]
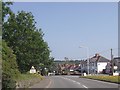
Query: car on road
[(51, 74)]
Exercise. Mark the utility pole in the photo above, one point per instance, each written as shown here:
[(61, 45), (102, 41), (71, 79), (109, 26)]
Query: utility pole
[(87, 58), (112, 60)]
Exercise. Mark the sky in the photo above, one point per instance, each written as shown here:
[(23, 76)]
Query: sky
[(69, 25), (63, 0)]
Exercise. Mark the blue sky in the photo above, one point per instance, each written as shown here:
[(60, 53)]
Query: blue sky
[(70, 25), (63, 0)]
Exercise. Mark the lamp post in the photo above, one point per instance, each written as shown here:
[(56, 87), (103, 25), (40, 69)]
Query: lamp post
[(87, 57)]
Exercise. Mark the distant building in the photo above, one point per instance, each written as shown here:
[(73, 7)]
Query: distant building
[(83, 66), (113, 66), (108, 69), (63, 67)]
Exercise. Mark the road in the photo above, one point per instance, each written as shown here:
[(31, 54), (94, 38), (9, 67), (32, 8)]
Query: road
[(72, 82)]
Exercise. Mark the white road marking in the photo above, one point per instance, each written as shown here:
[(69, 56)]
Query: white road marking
[(84, 86), (78, 83), (75, 82), (49, 84)]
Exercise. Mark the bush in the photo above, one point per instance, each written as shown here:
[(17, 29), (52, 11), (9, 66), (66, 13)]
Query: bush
[(8, 83), (9, 67)]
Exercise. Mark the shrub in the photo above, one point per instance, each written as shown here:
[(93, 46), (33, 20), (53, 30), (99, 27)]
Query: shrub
[(9, 67)]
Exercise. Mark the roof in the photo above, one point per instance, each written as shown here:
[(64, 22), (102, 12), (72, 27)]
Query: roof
[(103, 59), (93, 59), (99, 58), (117, 58), (83, 62)]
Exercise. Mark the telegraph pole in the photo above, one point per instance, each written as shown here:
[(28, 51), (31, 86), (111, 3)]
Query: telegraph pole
[(112, 60), (87, 58)]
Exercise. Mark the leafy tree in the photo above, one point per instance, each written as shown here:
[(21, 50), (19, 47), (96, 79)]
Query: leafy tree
[(6, 10), (26, 41), (22, 36), (0, 19)]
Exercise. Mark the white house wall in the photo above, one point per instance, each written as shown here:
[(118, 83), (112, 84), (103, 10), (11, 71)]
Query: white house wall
[(101, 66)]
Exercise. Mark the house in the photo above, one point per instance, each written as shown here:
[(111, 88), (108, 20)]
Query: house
[(108, 69), (116, 66), (116, 63), (113, 66), (97, 64), (69, 67), (83, 66)]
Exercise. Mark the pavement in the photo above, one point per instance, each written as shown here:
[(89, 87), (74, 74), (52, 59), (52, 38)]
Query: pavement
[(72, 82)]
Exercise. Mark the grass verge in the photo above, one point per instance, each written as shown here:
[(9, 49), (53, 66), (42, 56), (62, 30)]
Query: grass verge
[(28, 76), (112, 79), (27, 80)]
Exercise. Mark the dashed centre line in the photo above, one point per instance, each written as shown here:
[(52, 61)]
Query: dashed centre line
[(84, 86), (75, 82)]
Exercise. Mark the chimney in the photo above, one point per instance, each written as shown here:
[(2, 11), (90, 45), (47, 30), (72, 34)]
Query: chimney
[(96, 55)]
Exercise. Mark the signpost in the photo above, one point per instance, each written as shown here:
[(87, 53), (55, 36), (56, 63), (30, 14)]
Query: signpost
[(32, 70)]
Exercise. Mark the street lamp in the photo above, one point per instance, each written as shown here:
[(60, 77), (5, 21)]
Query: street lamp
[(87, 57)]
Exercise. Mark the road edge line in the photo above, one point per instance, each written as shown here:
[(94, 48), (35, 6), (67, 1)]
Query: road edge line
[(49, 84)]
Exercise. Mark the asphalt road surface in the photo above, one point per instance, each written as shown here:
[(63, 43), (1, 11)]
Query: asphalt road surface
[(72, 82)]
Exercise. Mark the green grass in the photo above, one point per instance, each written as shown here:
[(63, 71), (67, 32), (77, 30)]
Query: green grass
[(27, 80), (28, 76), (113, 79)]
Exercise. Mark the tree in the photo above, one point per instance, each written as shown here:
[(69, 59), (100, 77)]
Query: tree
[(9, 66), (25, 40), (6, 10)]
